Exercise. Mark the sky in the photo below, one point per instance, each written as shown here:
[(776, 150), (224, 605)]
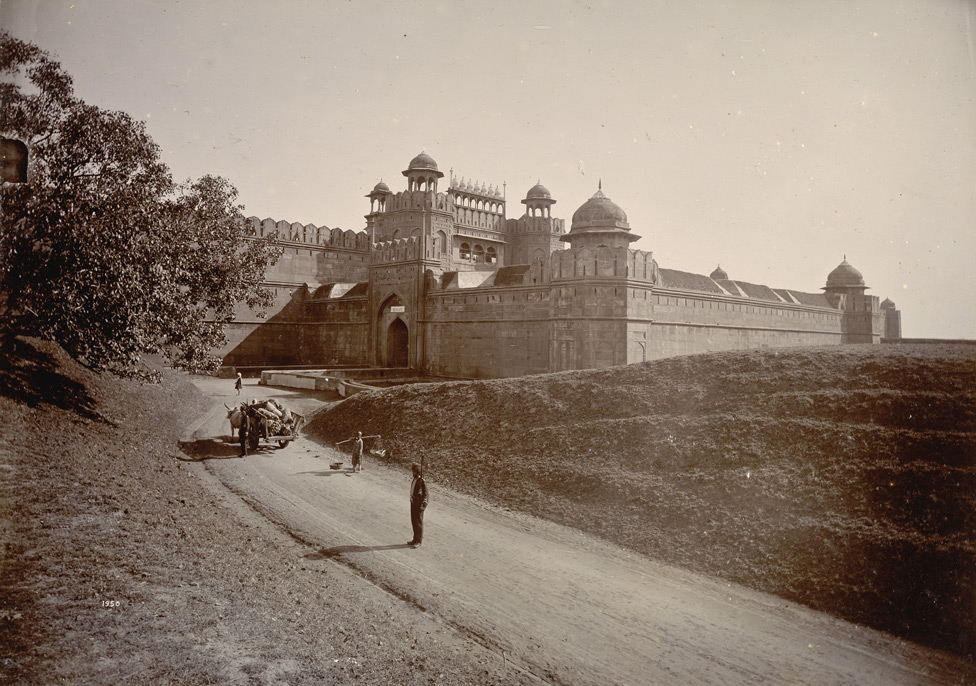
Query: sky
[(773, 138)]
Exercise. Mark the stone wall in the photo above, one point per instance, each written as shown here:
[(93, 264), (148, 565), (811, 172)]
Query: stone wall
[(487, 333), (283, 336), (664, 323)]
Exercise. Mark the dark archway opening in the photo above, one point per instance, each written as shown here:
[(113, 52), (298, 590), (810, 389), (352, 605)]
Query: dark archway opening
[(397, 344)]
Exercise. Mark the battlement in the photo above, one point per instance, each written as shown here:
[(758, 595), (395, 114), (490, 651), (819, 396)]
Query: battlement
[(527, 224), (309, 234), (618, 262), (418, 200), (398, 250)]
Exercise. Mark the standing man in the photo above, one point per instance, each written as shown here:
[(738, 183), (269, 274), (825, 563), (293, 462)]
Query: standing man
[(243, 431), (357, 452), (418, 503), (239, 383), (357, 449)]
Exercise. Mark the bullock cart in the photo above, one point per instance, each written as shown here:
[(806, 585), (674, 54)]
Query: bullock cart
[(271, 423)]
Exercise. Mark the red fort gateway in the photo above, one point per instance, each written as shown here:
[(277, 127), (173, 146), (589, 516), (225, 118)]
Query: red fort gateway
[(444, 283)]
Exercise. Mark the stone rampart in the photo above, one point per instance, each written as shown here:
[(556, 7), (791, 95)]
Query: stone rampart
[(398, 250), (409, 200), (584, 263), (309, 234), (487, 332)]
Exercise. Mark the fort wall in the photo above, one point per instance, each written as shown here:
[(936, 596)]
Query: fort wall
[(490, 332), (445, 284)]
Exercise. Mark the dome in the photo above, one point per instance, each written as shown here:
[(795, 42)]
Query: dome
[(719, 273), (538, 191), (599, 212), (423, 161), (887, 304), (844, 275), (381, 188)]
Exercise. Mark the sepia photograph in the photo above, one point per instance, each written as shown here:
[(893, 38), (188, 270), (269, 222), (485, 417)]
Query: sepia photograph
[(611, 343)]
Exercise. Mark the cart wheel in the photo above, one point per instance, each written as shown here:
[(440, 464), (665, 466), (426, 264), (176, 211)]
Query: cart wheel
[(282, 444)]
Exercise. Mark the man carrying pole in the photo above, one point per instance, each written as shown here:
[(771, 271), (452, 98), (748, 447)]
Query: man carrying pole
[(357, 449)]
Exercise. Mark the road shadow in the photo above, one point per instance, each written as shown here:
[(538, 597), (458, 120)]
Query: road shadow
[(327, 472), (33, 376), (339, 550), (214, 449)]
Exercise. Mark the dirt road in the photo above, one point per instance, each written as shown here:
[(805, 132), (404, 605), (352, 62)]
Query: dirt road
[(566, 607)]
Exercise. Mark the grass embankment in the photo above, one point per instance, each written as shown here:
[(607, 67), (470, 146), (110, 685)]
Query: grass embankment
[(841, 478), (118, 565)]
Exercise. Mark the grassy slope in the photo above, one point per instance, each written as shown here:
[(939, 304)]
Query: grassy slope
[(841, 478), (98, 504)]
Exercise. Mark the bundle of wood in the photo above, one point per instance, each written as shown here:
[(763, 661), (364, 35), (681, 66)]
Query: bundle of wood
[(275, 418)]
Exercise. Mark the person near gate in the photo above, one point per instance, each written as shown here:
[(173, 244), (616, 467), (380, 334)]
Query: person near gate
[(418, 503)]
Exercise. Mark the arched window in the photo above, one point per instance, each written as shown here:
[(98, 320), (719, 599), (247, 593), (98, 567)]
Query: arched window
[(491, 257), (479, 254), (465, 251)]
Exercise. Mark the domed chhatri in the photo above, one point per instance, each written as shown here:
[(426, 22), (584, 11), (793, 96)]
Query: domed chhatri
[(381, 188), (538, 191), (719, 273), (599, 223), (599, 212), (423, 161), (422, 174), (888, 304), (845, 276)]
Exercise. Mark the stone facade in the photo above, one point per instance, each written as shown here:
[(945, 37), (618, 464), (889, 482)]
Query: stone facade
[(445, 283)]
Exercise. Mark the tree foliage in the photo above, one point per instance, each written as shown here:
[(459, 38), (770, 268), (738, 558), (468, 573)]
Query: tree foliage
[(100, 250)]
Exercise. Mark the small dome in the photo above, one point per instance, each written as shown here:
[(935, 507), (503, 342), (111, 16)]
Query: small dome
[(381, 188), (600, 211), (844, 275), (719, 273), (423, 161), (887, 304), (538, 191)]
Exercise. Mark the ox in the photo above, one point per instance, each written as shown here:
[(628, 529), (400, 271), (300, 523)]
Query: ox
[(234, 416)]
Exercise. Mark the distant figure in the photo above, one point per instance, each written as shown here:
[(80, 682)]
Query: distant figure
[(357, 450), (239, 383), (418, 503), (243, 430)]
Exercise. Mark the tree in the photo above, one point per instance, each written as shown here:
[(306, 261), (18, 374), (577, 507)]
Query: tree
[(100, 250)]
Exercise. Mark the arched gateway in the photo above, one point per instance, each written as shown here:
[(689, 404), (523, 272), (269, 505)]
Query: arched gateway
[(397, 344), (393, 334)]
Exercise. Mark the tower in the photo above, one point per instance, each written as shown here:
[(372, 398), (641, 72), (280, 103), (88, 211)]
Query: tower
[(534, 236), (410, 233), (862, 321)]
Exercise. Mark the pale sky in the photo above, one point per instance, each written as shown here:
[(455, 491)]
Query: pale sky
[(770, 137)]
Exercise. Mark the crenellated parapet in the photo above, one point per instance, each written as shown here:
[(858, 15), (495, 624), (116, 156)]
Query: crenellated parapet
[(397, 250), (603, 262), (545, 225), (309, 234), (418, 200)]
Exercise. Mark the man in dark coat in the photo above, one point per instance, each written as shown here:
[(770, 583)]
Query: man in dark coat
[(418, 503), (243, 431)]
